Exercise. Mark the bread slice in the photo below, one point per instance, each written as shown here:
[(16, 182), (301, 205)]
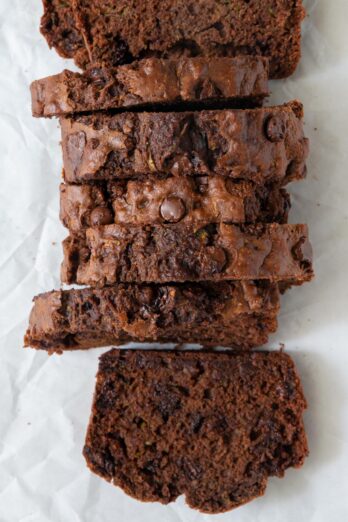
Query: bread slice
[(153, 82), (233, 314), (58, 26), (177, 253), (210, 426), (259, 145), (121, 32), (156, 201)]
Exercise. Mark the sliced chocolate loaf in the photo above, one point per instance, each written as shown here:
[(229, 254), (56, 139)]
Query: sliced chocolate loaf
[(211, 426), (121, 32), (153, 82), (233, 314), (260, 145), (177, 253), (156, 201)]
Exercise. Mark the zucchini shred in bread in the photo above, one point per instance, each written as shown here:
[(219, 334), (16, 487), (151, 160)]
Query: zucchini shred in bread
[(117, 32), (177, 253), (232, 314), (242, 80), (211, 426), (261, 145)]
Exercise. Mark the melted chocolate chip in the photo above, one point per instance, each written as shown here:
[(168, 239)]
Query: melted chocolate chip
[(172, 209), (101, 216), (217, 258), (275, 129)]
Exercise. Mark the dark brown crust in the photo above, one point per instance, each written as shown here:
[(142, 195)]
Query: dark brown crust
[(239, 315), (152, 82), (178, 253), (156, 201), (59, 28), (211, 426), (260, 145), (117, 32)]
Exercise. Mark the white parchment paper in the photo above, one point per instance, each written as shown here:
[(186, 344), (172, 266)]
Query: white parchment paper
[(45, 401)]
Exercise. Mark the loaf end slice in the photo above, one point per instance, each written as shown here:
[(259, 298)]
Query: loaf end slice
[(210, 426)]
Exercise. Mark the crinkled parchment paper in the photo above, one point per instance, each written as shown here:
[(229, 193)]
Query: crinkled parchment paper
[(45, 401)]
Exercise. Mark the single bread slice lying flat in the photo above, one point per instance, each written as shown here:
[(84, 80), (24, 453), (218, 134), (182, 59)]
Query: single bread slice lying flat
[(177, 253), (233, 314), (153, 82), (156, 201), (260, 145), (211, 426)]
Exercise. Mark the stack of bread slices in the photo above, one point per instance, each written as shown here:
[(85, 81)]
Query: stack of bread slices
[(174, 197), (176, 210)]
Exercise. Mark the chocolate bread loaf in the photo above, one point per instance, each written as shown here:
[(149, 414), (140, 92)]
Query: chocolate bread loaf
[(260, 145), (211, 426), (177, 253), (155, 201), (233, 314), (153, 82), (121, 32)]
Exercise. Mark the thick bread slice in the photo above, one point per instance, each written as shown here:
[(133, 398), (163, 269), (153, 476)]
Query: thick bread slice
[(233, 314), (211, 426)]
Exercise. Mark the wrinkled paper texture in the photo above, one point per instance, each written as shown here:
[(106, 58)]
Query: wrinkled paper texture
[(45, 401)]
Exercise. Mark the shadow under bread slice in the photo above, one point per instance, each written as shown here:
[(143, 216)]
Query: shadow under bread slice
[(238, 81), (234, 314), (262, 145), (177, 253), (175, 199), (123, 31), (208, 425)]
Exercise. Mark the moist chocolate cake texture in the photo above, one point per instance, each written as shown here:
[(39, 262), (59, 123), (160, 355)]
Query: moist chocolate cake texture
[(210, 426), (260, 145), (155, 201), (233, 314), (152, 82), (58, 26), (121, 32), (216, 252)]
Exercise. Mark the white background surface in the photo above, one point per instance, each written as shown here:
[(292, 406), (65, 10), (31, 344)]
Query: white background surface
[(45, 401)]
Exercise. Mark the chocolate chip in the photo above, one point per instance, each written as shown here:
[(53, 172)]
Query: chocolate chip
[(97, 76), (95, 143), (101, 216), (217, 259), (275, 129), (172, 209), (202, 185)]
